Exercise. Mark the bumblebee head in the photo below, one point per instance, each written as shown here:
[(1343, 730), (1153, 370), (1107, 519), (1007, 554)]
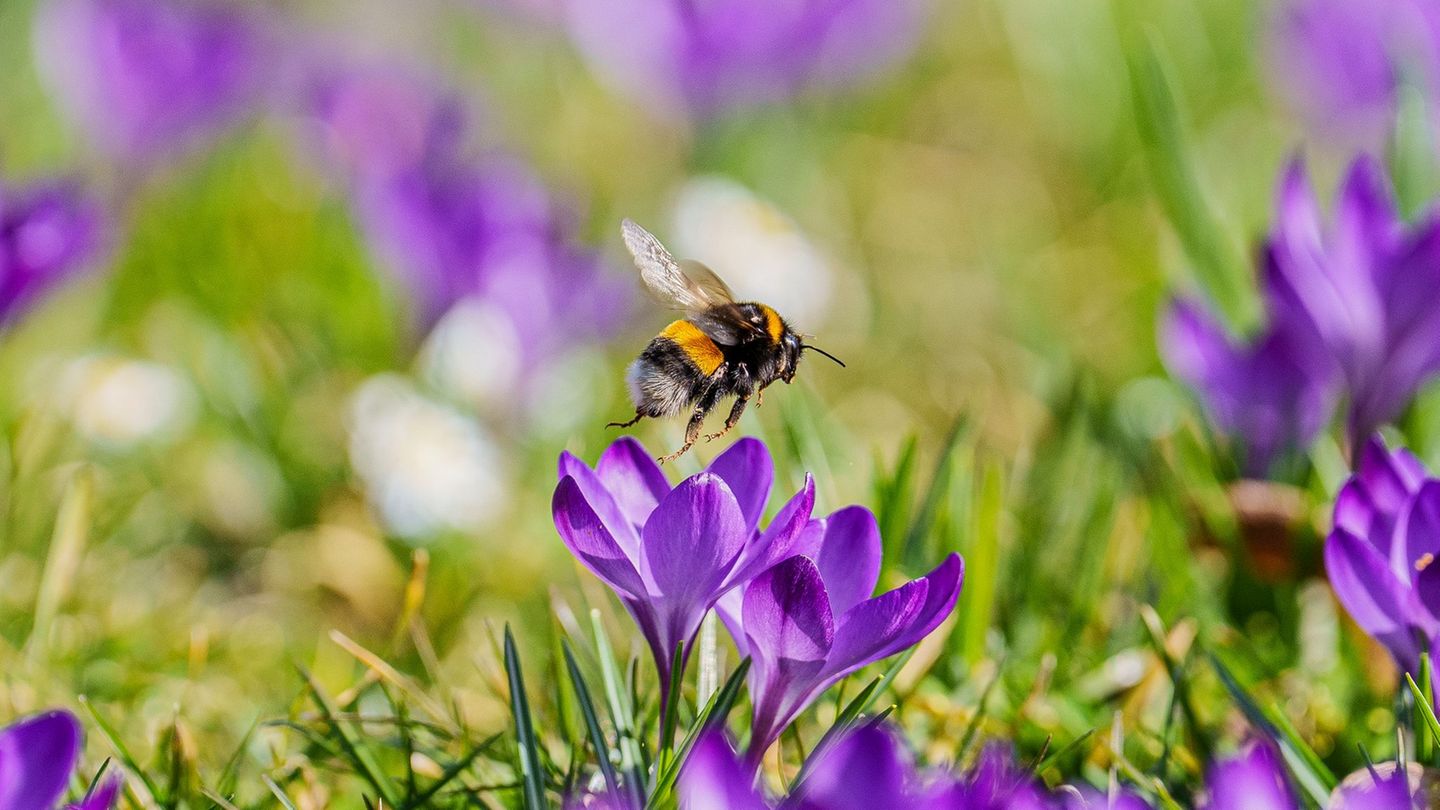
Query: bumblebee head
[(791, 345)]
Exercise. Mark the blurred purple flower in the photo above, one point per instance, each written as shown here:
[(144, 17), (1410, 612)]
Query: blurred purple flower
[(376, 121), (677, 56), (867, 767), (1386, 535), (1341, 62), (48, 233), (870, 767), (1253, 780), (144, 77), (995, 783), (453, 227), (1268, 397), (810, 620), (1387, 786), (713, 778), (669, 554), (37, 755), (1362, 289)]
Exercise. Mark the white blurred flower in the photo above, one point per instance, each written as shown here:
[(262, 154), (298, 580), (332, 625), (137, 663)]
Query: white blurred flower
[(425, 466), (120, 402), (757, 249), (473, 354), (561, 394)]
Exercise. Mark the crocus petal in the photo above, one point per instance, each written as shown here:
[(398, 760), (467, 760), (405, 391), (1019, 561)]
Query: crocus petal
[(1417, 532), (749, 472), (1254, 780), (849, 557), (692, 540), (713, 778), (632, 477), (780, 538), (616, 521), (866, 769), (1195, 347), (789, 630), (103, 798), (1375, 598), (880, 627), (787, 615), (36, 757), (1365, 217), (588, 538)]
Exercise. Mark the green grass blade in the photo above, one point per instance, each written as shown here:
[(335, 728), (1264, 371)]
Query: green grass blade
[(1218, 263), (356, 749), (1422, 704), (711, 716), (592, 722), (622, 712), (531, 777), (1155, 630), (1313, 776)]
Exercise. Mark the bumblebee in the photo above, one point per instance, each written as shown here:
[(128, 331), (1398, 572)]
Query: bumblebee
[(721, 348)]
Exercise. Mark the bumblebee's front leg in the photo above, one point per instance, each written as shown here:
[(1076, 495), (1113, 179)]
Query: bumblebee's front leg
[(732, 419), (692, 432)]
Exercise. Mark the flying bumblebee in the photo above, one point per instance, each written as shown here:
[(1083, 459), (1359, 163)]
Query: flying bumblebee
[(721, 348)]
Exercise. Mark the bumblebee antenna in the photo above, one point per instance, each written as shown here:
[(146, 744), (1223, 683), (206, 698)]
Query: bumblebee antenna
[(838, 361)]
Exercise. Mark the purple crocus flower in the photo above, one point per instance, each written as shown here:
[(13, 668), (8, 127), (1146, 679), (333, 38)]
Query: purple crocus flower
[(1256, 779), (1362, 289), (669, 554), (994, 783), (1253, 780), (37, 755), (1379, 553), (47, 235), (810, 621), (374, 121), (1388, 786), (1341, 62), (677, 56), (143, 77), (871, 767), (1270, 396), (713, 778), (453, 227)]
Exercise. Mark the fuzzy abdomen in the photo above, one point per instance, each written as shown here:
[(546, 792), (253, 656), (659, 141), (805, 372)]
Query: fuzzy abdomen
[(671, 374)]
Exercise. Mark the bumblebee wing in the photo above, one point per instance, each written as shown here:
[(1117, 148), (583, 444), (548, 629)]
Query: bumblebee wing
[(665, 278), (704, 281), (726, 324)]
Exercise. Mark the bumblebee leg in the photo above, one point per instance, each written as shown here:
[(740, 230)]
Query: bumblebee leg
[(638, 416), (730, 420), (692, 432)]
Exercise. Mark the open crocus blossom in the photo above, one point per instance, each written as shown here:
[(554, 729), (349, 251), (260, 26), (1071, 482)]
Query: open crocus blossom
[(1361, 288), (144, 77), (1268, 397), (1379, 553), (669, 554), (705, 58), (47, 234), (37, 755), (810, 620)]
